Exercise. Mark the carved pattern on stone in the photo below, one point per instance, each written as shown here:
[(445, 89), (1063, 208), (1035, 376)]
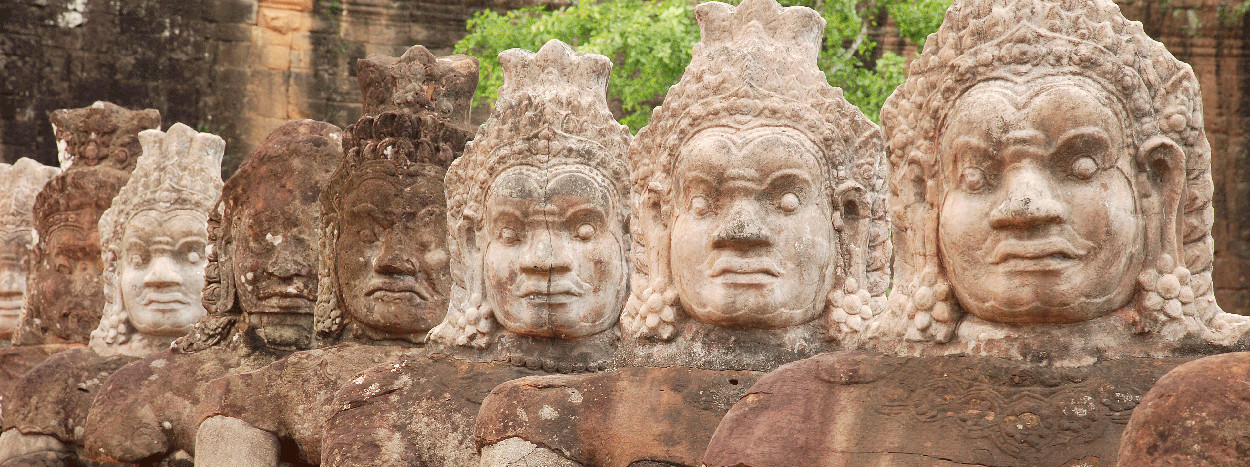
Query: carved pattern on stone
[(180, 170), (22, 181), (415, 123), (102, 134), (1020, 41), (756, 67), (551, 118)]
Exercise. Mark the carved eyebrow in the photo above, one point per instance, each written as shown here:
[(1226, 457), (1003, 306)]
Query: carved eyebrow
[(697, 178), (1083, 134), (182, 243), (370, 211), (580, 209), (788, 173)]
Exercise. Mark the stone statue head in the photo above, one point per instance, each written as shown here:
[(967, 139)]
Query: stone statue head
[(384, 261), (102, 134), (22, 181), (262, 266), (64, 293), (1049, 166), (154, 240), (537, 207), (757, 187)]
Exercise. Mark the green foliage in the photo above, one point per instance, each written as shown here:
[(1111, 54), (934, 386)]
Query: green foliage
[(649, 42)]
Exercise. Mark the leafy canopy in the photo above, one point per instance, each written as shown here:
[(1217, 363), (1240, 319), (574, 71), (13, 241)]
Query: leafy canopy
[(649, 42)]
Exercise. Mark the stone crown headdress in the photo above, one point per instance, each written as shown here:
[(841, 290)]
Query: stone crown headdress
[(1010, 40), (102, 134), (22, 181), (755, 65), (552, 110), (415, 122), (178, 170)]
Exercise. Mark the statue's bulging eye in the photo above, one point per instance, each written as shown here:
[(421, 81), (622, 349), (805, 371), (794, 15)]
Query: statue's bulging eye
[(585, 232), (193, 257), (1084, 168), (789, 202), (972, 179), (698, 205), (368, 235), (508, 235), (136, 260)]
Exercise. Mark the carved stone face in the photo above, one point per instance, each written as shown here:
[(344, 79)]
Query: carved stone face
[(161, 271), (1039, 223), (392, 262), (272, 245), (753, 244), (554, 257), (14, 247), (68, 280)]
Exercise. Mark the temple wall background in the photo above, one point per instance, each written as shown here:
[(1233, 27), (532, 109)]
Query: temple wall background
[(239, 68)]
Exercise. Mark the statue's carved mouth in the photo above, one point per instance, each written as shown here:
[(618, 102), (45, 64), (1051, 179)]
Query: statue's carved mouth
[(1047, 254), (10, 303), (745, 271), (167, 301), (563, 290), (400, 289), (285, 298)]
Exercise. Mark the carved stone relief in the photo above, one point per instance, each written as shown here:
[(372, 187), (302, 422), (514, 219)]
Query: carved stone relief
[(65, 299), (383, 276), (1050, 176), (758, 193), (22, 181), (260, 287)]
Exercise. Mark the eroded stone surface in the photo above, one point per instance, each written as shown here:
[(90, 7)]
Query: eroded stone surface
[(614, 418), (1195, 415), (874, 410), (260, 289), (22, 181), (758, 191), (1051, 190), (418, 411), (153, 238), (384, 276)]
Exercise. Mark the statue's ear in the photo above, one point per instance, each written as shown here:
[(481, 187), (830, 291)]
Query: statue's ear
[(1161, 183)]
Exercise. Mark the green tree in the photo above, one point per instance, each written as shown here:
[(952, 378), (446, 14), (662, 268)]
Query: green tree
[(649, 42)]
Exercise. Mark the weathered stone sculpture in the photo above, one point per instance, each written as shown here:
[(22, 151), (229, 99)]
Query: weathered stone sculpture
[(22, 181), (537, 213), (63, 294), (758, 191), (1051, 198), (1052, 188), (260, 286), (384, 279), (101, 146), (153, 239), (760, 236)]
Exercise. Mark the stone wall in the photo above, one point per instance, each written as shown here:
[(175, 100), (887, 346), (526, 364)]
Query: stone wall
[(238, 68)]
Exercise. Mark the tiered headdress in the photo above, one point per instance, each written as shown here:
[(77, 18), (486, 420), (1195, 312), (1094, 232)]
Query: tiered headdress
[(1023, 40), (756, 66), (179, 170), (415, 122), (22, 181), (552, 112), (102, 134)]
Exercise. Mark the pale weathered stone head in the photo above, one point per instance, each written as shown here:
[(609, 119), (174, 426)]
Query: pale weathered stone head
[(757, 187), (384, 261), (1049, 166), (22, 181), (64, 294), (262, 265), (154, 241), (537, 206)]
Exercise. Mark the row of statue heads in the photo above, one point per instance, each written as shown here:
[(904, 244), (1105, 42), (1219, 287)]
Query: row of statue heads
[(1047, 175)]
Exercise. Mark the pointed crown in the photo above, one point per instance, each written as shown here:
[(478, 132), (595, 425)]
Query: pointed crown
[(102, 134)]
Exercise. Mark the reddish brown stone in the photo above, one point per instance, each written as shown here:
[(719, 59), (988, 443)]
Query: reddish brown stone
[(297, 393), (852, 408), (15, 361), (615, 418), (418, 411), (53, 398), (1196, 415)]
